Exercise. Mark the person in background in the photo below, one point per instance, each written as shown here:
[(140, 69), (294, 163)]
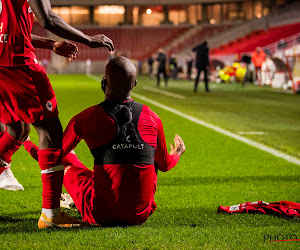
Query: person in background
[(258, 57), (150, 64), (162, 63), (189, 64), (173, 66), (202, 64), (140, 67)]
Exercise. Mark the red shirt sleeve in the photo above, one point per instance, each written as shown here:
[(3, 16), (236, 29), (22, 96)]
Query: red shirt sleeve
[(163, 160), (32, 149)]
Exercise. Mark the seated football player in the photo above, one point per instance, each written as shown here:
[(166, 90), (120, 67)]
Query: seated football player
[(127, 141)]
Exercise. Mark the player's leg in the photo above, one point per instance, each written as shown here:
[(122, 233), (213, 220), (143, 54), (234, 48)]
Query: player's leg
[(165, 77), (79, 182), (197, 80), (10, 142), (14, 92), (158, 78), (2, 128), (50, 161), (258, 72), (206, 80), (50, 133)]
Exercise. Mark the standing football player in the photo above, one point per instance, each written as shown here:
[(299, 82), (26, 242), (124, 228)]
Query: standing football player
[(26, 95), (62, 48)]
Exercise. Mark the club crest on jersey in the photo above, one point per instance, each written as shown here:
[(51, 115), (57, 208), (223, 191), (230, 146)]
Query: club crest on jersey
[(29, 8), (49, 106)]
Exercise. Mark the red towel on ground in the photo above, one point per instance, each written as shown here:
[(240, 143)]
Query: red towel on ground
[(283, 208)]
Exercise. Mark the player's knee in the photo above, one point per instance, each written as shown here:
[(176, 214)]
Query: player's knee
[(18, 130), (49, 140), (50, 133), (24, 132)]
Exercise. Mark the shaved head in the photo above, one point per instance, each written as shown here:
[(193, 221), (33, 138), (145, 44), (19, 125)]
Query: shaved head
[(120, 76)]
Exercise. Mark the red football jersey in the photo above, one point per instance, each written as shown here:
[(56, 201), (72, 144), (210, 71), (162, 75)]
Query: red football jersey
[(16, 20)]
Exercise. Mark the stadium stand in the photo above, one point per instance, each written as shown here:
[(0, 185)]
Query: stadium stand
[(197, 35), (42, 54), (135, 42), (226, 39), (260, 38)]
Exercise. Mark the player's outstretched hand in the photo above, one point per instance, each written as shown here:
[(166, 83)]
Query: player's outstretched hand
[(66, 49), (101, 40), (178, 147)]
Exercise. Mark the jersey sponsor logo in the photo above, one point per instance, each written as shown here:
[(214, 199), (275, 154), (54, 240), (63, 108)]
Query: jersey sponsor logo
[(3, 37), (128, 146)]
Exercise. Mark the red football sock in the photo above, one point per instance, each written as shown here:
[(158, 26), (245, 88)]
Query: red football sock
[(50, 161), (32, 149), (8, 146)]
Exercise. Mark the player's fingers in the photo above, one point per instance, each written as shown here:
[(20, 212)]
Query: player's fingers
[(109, 46), (172, 147), (109, 43), (177, 140), (75, 50)]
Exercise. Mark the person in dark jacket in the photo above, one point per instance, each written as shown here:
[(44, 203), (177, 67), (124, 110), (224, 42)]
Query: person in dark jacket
[(189, 63), (173, 66), (150, 64), (202, 64), (162, 60)]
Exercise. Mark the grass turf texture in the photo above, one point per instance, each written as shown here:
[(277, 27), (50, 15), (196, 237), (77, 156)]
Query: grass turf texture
[(215, 170)]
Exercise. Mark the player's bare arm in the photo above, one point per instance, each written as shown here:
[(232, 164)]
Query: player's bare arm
[(62, 48), (56, 25), (178, 147)]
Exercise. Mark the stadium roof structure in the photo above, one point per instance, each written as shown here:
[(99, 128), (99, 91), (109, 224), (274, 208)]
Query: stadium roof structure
[(137, 2)]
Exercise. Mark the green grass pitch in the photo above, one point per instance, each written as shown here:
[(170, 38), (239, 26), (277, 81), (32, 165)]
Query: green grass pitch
[(215, 170)]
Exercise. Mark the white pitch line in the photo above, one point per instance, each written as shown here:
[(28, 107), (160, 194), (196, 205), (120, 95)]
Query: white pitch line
[(250, 133), (217, 129), (163, 92), (222, 131), (96, 78)]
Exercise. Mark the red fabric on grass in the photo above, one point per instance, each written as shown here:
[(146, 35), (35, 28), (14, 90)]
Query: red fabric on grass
[(282, 208)]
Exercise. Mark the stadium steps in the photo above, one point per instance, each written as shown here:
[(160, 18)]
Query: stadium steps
[(182, 38), (284, 16), (258, 38), (134, 42), (195, 36)]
